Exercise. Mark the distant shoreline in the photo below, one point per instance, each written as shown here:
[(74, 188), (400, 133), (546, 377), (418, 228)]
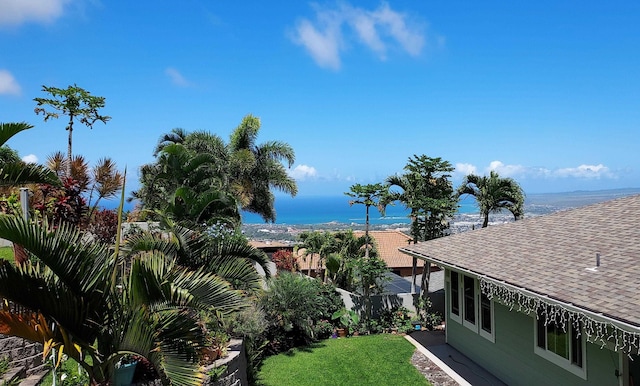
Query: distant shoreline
[(537, 205)]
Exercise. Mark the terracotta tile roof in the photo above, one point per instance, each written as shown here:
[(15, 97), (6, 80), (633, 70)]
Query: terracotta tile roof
[(304, 265), (388, 243), (550, 255)]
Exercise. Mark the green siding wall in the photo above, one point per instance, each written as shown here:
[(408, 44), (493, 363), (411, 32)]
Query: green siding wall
[(512, 359)]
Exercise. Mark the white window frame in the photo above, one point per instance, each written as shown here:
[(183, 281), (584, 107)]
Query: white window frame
[(487, 335), (559, 360), (457, 318), (477, 325), (473, 326)]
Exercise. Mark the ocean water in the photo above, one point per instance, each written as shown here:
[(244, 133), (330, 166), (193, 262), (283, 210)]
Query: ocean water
[(322, 210)]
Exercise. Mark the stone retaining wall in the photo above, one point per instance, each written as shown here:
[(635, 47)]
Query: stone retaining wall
[(236, 362)]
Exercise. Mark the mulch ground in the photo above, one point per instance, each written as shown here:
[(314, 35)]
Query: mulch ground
[(433, 373)]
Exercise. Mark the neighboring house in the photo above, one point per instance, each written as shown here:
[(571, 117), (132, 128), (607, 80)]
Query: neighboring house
[(388, 244), (549, 300), (270, 247)]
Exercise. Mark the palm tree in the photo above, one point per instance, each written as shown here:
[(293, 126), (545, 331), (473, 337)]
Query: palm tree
[(494, 193), (182, 185), (202, 161), (17, 173), (368, 195), (349, 248), (426, 191), (314, 243), (257, 168), (77, 301)]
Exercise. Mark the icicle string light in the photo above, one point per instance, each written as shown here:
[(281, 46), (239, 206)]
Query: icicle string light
[(596, 331)]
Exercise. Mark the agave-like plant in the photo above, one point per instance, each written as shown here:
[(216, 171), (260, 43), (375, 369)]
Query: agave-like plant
[(76, 298)]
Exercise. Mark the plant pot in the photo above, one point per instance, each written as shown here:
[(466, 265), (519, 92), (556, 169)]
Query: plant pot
[(342, 332), (123, 375)]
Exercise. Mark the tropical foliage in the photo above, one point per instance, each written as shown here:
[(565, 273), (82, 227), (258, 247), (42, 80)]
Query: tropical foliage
[(425, 189), (14, 172), (294, 306), (197, 176), (314, 244), (493, 194), (81, 301)]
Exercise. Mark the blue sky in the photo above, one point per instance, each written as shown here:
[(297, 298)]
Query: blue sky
[(546, 92)]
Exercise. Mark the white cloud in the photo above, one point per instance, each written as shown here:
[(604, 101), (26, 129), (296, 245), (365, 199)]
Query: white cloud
[(396, 25), (176, 77), (16, 12), (303, 172), (323, 42), (507, 170), (519, 171), (465, 169), (8, 84), (379, 29), (585, 171), (30, 159)]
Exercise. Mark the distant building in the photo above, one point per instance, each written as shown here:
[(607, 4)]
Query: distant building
[(387, 244), (270, 247)]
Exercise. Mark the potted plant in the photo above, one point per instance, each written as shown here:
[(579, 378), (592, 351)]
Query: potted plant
[(349, 319), (125, 369)]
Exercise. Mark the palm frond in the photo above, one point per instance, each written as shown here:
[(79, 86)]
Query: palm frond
[(20, 173), (8, 130)]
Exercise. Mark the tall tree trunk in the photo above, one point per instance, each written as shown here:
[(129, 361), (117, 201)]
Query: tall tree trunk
[(485, 222), (70, 128), (366, 234)]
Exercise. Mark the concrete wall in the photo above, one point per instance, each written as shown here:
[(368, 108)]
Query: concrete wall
[(378, 302)]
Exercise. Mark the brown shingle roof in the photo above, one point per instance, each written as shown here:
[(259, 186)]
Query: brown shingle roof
[(550, 255)]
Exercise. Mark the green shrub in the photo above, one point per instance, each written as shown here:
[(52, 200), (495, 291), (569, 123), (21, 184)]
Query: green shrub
[(396, 318), (250, 324), (4, 365), (293, 305)]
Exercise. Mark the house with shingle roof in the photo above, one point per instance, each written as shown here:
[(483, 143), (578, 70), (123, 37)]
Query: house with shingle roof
[(549, 300)]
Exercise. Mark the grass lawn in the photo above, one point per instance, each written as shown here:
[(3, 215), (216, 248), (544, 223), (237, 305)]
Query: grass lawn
[(6, 253), (382, 359)]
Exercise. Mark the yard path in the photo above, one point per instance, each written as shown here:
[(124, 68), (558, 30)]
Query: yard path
[(433, 373)]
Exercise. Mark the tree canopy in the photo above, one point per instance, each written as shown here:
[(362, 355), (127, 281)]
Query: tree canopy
[(494, 193), (240, 174), (425, 189), (76, 103)]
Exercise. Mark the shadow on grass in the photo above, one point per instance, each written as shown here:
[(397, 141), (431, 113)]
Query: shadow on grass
[(291, 352)]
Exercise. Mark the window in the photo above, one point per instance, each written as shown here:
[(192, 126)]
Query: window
[(561, 343), (469, 306), (455, 294), (485, 313), (469, 299)]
